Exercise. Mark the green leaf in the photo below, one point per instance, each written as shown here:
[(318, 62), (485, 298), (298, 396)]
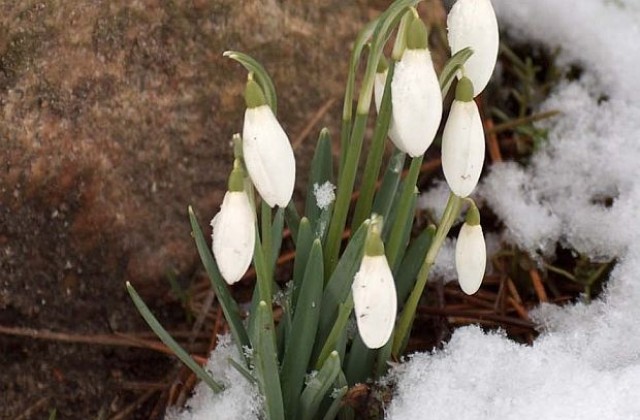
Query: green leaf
[(337, 395), (242, 370), (405, 274), (339, 284), (303, 247), (321, 172), (317, 387), (360, 363), (292, 219), (303, 330), (374, 159), (260, 75), (451, 68), (228, 304), (387, 192), (276, 236), (266, 363), (339, 329), (166, 338)]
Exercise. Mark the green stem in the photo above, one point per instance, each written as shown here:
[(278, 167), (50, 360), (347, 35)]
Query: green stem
[(265, 215), (345, 189), (403, 328), (374, 159), (395, 242)]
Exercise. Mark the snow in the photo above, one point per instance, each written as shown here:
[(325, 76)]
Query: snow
[(586, 362), (239, 400), (325, 194)]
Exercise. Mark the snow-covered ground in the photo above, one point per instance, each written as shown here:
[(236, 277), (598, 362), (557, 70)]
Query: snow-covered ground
[(586, 362)]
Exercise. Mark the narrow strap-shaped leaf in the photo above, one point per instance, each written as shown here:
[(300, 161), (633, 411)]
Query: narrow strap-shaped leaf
[(266, 364), (337, 395), (317, 387), (292, 218), (382, 358), (360, 362), (170, 342), (267, 243), (261, 76), (374, 158), (452, 67), (303, 330), (405, 274), (242, 370), (303, 247), (320, 173), (276, 236), (228, 304), (403, 225), (390, 181), (339, 285), (339, 329)]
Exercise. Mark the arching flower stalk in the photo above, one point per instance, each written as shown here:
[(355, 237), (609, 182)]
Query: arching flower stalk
[(233, 237), (374, 291), (266, 149), (473, 23), (463, 142), (471, 252), (416, 99)]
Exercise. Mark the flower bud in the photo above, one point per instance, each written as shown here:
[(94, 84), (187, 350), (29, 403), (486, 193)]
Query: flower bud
[(267, 151), (472, 23), (471, 253), (416, 98), (374, 291), (233, 237), (463, 142)]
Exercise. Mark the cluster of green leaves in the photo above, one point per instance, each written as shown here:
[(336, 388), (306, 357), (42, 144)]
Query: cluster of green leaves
[(305, 363)]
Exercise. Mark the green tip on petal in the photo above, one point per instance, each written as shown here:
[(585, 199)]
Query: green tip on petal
[(464, 90), (253, 94), (383, 65), (417, 36), (473, 214), (373, 246), (236, 178)]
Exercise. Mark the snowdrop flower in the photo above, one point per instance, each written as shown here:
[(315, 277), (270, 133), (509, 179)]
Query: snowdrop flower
[(233, 237), (471, 253), (374, 291), (472, 23), (267, 151), (416, 99), (379, 83), (463, 142)]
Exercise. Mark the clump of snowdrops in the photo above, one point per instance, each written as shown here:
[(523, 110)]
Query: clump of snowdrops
[(378, 276)]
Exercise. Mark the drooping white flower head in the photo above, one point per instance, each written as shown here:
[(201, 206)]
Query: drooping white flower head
[(471, 253), (374, 291), (379, 83), (267, 151), (416, 98), (233, 237), (473, 23), (463, 142)]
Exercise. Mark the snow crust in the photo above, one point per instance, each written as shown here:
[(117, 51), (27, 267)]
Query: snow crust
[(586, 362)]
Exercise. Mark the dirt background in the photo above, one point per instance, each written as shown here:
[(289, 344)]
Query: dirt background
[(114, 116)]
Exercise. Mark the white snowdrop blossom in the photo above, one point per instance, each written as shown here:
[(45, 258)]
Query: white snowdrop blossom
[(233, 237), (267, 151), (473, 23), (471, 253), (416, 99), (463, 142), (374, 292)]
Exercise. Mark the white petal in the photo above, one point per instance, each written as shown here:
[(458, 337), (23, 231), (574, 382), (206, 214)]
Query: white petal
[(471, 258), (379, 82), (463, 148), (375, 301), (233, 236), (472, 23), (268, 156), (416, 103)]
